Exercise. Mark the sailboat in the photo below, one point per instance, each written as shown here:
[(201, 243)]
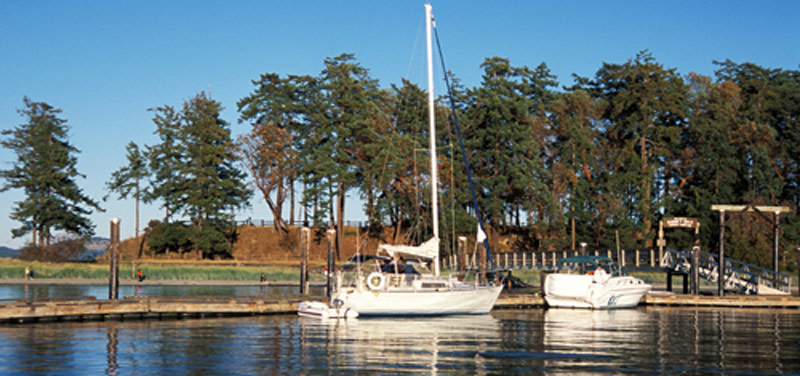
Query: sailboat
[(397, 289)]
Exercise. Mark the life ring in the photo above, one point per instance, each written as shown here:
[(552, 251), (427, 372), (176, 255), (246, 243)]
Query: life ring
[(376, 281)]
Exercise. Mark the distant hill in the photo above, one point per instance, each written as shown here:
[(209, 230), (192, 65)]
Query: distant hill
[(8, 252), (95, 248)]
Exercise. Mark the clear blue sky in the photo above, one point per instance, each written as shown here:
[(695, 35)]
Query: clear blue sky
[(104, 63)]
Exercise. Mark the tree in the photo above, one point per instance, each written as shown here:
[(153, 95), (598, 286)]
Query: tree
[(268, 150), (127, 180), (506, 139), (340, 123), (46, 170), (209, 183), (644, 113)]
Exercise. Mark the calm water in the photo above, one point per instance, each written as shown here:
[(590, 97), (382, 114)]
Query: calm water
[(566, 342)]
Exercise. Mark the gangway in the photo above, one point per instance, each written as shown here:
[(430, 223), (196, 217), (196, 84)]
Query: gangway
[(739, 276)]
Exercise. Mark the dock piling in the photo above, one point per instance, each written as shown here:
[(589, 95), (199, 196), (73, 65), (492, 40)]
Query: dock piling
[(113, 275), (305, 236)]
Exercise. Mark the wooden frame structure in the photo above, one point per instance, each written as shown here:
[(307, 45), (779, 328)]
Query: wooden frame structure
[(776, 210)]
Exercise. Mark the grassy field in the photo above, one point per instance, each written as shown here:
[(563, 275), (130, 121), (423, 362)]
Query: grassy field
[(11, 268), (224, 271)]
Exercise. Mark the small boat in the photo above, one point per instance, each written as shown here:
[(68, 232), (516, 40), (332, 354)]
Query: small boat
[(592, 282), (324, 311)]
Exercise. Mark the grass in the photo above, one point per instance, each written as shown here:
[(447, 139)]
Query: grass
[(11, 268)]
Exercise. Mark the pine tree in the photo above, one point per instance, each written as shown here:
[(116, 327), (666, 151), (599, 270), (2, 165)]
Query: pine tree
[(46, 170), (210, 185), (127, 181)]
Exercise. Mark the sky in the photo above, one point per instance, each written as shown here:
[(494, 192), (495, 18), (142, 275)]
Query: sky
[(104, 63)]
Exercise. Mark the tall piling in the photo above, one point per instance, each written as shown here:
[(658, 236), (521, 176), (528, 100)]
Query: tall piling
[(113, 275), (305, 240), (462, 257), (331, 263)]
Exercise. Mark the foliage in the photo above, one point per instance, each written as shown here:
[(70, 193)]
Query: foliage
[(192, 172), (45, 169), (65, 248)]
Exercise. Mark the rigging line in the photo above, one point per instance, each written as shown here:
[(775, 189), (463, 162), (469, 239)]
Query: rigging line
[(461, 143), (420, 27)]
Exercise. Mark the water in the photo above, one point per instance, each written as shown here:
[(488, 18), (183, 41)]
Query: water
[(648, 340)]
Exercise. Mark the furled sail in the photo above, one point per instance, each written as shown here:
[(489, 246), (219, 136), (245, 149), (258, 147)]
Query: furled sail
[(428, 250)]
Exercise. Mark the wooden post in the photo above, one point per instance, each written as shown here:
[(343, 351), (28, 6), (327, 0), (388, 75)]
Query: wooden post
[(777, 242), (721, 256), (113, 275), (305, 237), (462, 257), (696, 267), (331, 263)]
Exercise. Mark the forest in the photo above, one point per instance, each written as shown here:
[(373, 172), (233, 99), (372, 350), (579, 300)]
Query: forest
[(554, 165)]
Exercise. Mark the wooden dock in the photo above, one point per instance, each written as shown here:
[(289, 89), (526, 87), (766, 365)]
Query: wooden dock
[(89, 308)]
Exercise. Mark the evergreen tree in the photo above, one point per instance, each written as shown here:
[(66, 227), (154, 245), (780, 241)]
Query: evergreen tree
[(46, 171), (644, 107), (210, 185), (127, 181)]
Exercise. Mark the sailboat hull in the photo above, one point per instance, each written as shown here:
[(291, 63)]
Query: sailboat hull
[(406, 302)]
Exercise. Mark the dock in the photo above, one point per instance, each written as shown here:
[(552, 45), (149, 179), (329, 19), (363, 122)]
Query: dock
[(90, 308), (134, 308)]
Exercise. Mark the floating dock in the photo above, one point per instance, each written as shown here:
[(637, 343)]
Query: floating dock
[(90, 308)]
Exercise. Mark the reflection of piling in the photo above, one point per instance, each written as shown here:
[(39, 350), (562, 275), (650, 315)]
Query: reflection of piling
[(113, 275), (305, 235), (462, 257), (331, 263)]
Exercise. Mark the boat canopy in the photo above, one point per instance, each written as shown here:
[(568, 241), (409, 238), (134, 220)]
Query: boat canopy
[(593, 261), (427, 251)]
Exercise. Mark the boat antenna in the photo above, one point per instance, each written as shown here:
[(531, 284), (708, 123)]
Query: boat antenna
[(463, 152)]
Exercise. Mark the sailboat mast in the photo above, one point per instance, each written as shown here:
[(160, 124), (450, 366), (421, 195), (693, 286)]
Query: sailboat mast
[(432, 130)]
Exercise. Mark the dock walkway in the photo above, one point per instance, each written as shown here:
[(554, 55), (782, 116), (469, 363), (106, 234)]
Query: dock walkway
[(89, 308)]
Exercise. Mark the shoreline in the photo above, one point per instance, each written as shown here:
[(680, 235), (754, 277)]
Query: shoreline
[(146, 282)]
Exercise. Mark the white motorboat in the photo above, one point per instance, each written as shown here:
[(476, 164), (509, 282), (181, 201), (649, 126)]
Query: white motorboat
[(597, 285), (390, 292)]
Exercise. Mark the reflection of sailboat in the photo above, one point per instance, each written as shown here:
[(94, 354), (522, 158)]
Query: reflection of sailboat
[(393, 293), (397, 345)]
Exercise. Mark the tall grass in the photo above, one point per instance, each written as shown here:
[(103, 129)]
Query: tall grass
[(11, 268)]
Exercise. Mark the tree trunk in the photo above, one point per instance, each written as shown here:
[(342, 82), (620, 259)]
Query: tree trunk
[(340, 222), (645, 188), (291, 203)]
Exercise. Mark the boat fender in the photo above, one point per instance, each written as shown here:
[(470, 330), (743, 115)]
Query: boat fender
[(376, 281)]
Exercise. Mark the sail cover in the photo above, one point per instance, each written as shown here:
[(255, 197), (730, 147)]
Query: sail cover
[(428, 250)]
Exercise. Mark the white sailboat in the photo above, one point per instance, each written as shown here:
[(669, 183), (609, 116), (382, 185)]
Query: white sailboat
[(393, 293)]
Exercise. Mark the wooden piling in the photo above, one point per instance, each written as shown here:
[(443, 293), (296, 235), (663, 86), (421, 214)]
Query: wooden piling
[(113, 275), (305, 241), (462, 257), (331, 263)]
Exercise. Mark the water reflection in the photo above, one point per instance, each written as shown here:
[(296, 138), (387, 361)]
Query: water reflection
[(651, 340), (407, 345)]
